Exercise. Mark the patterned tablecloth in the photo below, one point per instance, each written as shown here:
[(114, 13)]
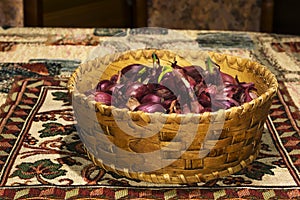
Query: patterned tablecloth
[(41, 155)]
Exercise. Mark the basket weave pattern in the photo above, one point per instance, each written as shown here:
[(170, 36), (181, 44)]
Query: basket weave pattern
[(237, 146)]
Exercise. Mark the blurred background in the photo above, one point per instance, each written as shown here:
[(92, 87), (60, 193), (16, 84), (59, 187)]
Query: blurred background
[(274, 16)]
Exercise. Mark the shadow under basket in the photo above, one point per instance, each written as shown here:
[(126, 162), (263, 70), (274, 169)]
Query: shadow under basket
[(171, 148)]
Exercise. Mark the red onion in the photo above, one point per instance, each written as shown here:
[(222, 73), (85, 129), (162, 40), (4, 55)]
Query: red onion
[(136, 90), (204, 99), (227, 79), (151, 98), (165, 93), (103, 85), (103, 98), (195, 72), (173, 89), (131, 69), (170, 82), (167, 103), (151, 108), (183, 74)]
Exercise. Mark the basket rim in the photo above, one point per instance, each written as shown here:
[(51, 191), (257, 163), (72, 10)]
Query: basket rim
[(270, 92)]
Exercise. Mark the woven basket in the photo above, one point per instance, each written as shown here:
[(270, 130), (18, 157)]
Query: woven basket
[(187, 148)]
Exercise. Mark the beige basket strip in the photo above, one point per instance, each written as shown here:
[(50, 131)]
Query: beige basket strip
[(212, 161), (165, 175)]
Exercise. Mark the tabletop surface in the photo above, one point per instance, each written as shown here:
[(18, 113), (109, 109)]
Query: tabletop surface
[(41, 154)]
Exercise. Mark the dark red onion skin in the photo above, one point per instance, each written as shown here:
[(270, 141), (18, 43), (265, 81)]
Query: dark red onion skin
[(165, 93), (189, 89), (114, 78), (151, 108), (204, 99), (102, 97), (227, 79), (183, 73), (211, 90), (167, 103), (153, 86), (196, 72), (136, 90), (131, 69), (151, 98), (133, 73), (169, 81), (161, 91), (103, 85), (193, 74)]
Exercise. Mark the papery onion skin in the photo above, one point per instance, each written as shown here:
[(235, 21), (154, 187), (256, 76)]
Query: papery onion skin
[(165, 93), (227, 79), (132, 103), (204, 99), (161, 91), (196, 72)]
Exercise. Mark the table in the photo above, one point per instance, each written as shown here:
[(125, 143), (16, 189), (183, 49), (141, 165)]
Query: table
[(41, 155)]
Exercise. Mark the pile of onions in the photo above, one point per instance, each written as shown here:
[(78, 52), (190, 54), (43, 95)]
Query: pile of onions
[(173, 89)]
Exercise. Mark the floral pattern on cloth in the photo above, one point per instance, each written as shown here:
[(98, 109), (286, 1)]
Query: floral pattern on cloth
[(205, 14), (50, 153)]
